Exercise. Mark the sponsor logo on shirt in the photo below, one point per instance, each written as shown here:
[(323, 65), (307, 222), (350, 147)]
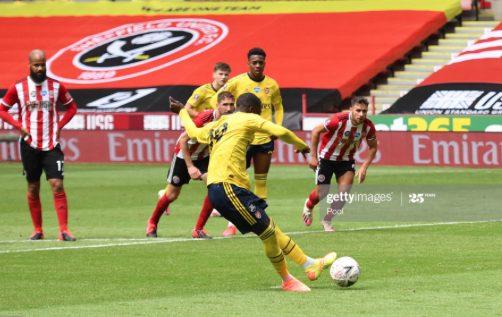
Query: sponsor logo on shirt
[(266, 90), (33, 93), (43, 93), (195, 97), (51, 93), (347, 133), (256, 89), (357, 134), (134, 49)]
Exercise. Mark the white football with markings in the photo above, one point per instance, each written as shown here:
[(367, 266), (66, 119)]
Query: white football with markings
[(345, 271)]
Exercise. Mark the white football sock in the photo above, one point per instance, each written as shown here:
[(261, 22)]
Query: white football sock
[(308, 263), (230, 224), (287, 277)]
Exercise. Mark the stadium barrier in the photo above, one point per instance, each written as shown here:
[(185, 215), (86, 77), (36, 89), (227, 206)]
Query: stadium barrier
[(395, 148)]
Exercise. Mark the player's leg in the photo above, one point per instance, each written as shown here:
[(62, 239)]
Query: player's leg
[(198, 232), (246, 211), (32, 170), (161, 194), (53, 164), (177, 177), (262, 159), (313, 267), (344, 172), (323, 176)]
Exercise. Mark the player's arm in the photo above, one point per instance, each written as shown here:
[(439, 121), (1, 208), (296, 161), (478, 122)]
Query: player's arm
[(71, 107), (285, 135), (9, 100), (192, 170), (316, 135), (373, 148), (190, 109), (201, 134)]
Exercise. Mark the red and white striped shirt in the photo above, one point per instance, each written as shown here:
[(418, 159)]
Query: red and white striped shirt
[(343, 138), (38, 111), (198, 151)]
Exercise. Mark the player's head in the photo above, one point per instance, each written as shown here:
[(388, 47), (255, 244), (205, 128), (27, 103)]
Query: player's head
[(226, 103), (359, 109), (37, 66), (256, 62), (221, 73), (249, 103)]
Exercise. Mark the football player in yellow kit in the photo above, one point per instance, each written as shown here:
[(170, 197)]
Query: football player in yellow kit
[(267, 90), (201, 97), (200, 101), (228, 184)]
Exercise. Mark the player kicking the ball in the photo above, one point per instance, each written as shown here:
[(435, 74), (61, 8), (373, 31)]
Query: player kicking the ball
[(190, 161), (344, 132), (229, 185)]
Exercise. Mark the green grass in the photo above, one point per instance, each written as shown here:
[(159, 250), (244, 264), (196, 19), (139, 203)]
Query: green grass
[(439, 270)]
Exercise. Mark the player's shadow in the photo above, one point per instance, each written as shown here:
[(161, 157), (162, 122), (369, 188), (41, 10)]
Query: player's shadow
[(342, 289)]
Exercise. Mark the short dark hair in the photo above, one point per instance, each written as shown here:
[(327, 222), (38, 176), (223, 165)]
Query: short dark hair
[(247, 100), (360, 101), (256, 51), (225, 95), (222, 66)]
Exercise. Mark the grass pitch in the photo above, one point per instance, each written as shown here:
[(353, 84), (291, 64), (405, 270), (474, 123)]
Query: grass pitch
[(113, 270)]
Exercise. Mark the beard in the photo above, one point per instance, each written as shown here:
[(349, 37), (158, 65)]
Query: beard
[(36, 77)]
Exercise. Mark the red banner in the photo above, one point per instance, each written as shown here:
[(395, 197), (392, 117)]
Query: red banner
[(395, 148)]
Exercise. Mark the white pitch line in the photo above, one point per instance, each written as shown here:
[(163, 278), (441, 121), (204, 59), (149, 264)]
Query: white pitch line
[(163, 240)]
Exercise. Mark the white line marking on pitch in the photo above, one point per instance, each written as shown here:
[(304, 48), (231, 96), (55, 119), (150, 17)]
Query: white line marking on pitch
[(163, 240)]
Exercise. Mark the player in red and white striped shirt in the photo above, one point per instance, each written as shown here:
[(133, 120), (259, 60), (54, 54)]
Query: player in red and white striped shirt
[(190, 161), (37, 97), (343, 135)]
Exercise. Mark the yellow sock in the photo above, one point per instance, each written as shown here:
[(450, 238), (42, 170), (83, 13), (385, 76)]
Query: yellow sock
[(289, 247), (260, 185), (273, 251), (165, 190)]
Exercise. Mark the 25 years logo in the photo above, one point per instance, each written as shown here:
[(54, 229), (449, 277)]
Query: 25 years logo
[(135, 49)]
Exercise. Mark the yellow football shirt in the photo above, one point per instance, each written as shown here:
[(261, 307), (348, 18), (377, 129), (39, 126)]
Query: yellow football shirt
[(266, 89), (229, 139), (201, 97)]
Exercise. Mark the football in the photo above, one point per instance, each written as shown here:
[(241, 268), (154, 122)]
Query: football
[(345, 271)]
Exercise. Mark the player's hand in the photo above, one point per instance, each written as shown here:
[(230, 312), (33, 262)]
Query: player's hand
[(362, 174), (304, 152), (24, 132), (273, 137), (175, 105), (314, 163), (194, 173)]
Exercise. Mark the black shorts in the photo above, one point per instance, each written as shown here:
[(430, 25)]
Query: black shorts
[(328, 168), (266, 148), (36, 161), (238, 205), (178, 172)]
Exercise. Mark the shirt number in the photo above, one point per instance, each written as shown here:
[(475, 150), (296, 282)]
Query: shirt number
[(217, 134)]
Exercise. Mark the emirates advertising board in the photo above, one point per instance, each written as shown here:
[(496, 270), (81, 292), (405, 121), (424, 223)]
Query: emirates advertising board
[(469, 85), (448, 149)]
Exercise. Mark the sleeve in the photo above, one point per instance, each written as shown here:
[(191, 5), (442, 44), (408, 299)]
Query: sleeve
[(284, 134), (201, 134), (5, 116), (331, 124), (197, 97), (372, 133), (229, 86), (279, 110), (71, 110), (10, 98), (64, 96)]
